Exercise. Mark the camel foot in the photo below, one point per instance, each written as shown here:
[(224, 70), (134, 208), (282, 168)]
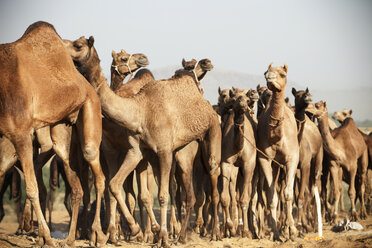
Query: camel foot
[(198, 225), (163, 239), (68, 242), (363, 212), (353, 215), (155, 228), (148, 237), (112, 234), (247, 234), (98, 238)]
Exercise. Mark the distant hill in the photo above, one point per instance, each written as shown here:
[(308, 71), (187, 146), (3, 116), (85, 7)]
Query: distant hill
[(359, 100)]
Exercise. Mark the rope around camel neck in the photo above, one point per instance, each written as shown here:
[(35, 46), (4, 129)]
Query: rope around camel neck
[(127, 65), (263, 153)]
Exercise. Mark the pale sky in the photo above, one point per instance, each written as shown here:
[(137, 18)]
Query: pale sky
[(325, 43)]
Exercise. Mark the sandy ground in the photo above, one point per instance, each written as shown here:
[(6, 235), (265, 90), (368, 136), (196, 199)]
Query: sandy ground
[(60, 216)]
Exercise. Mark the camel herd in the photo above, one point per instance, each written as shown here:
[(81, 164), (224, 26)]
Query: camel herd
[(255, 170)]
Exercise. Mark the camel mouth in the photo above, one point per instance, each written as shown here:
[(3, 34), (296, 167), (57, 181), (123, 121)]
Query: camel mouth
[(255, 98), (273, 85), (142, 61), (208, 67)]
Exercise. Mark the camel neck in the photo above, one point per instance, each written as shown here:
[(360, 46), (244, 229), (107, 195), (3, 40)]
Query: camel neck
[(116, 79), (239, 120), (125, 111), (300, 121), (330, 145), (276, 111)]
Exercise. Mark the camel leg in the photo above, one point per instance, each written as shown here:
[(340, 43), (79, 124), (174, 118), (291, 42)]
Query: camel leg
[(234, 202), (362, 174), (23, 146), (334, 169), (6, 181), (186, 167), (89, 127), (225, 196), (85, 177), (130, 197), (132, 158), (61, 136), (53, 183), (17, 194), (272, 196), (146, 179), (305, 174), (248, 171), (288, 193), (199, 193), (351, 191), (173, 224), (340, 175)]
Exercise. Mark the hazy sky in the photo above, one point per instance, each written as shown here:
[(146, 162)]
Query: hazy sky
[(325, 43)]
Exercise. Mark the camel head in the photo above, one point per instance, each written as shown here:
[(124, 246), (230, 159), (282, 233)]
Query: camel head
[(341, 116), (223, 98), (253, 97), (264, 96), (80, 49), (200, 68), (320, 109), (239, 100), (276, 77), (124, 63), (302, 98)]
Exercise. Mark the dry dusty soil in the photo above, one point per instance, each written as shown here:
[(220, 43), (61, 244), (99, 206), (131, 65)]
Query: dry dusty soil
[(331, 239)]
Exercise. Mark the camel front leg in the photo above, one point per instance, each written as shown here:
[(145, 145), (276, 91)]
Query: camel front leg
[(334, 169), (225, 196), (272, 196), (362, 174), (53, 184), (288, 194), (351, 191)]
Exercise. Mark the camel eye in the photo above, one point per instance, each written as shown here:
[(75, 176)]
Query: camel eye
[(78, 46), (124, 59)]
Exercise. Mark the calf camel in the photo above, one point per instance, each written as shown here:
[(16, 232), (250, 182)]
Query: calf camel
[(277, 138), (162, 117), (345, 148), (40, 87)]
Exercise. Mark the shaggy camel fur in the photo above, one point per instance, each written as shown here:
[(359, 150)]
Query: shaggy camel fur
[(149, 117), (124, 64), (311, 152), (345, 148), (38, 80), (241, 153), (277, 138)]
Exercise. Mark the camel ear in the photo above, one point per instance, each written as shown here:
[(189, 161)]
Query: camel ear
[(91, 41), (307, 90), (350, 111), (258, 87), (113, 54), (294, 91), (270, 65), (286, 99), (231, 92), (219, 90), (183, 62), (285, 67), (325, 104)]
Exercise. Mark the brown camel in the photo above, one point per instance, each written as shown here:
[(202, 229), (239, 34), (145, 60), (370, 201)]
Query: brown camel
[(341, 116), (311, 152), (345, 148), (124, 64), (155, 127), (238, 152), (277, 138), (38, 80)]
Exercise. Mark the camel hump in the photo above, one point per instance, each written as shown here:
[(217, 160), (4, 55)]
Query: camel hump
[(144, 73), (39, 25)]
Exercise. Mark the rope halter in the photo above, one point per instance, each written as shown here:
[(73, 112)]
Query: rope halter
[(196, 77), (125, 64)]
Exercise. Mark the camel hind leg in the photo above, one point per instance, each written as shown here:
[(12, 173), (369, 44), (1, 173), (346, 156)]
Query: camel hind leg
[(362, 174), (89, 126), (23, 146)]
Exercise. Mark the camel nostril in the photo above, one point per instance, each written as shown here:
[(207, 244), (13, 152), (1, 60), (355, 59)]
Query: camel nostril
[(142, 61)]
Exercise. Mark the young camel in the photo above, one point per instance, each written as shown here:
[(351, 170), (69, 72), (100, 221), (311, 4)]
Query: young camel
[(239, 152), (162, 117), (277, 138), (48, 90), (311, 153), (345, 148)]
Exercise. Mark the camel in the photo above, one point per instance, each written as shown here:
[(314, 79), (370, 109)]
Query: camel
[(341, 116), (155, 126), (311, 152), (239, 152), (345, 148), (124, 64), (277, 138), (37, 80)]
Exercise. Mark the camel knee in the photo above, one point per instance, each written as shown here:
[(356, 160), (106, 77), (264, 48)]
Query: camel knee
[(115, 188), (225, 199), (288, 194), (163, 199), (145, 198), (90, 153)]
